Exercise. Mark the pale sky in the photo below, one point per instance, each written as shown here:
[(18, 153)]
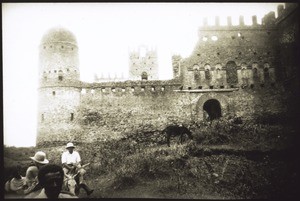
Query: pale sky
[(105, 33)]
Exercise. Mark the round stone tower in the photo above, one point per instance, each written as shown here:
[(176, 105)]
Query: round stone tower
[(59, 84)]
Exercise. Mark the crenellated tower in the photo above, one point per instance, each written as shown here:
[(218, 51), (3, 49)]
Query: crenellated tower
[(233, 56), (59, 80), (143, 64)]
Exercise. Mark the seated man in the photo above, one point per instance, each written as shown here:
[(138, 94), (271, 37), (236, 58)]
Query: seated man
[(31, 180), (51, 178), (71, 162)]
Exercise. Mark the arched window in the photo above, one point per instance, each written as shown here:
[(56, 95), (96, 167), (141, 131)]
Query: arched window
[(196, 69), (266, 71), (144, 76), (255, 72), (60, 77), (207, 72), (231, 72)]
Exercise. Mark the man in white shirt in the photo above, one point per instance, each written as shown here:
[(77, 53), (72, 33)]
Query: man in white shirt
[(71, 162)]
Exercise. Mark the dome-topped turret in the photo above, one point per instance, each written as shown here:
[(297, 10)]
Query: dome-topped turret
[(59, 61), (59, 34)]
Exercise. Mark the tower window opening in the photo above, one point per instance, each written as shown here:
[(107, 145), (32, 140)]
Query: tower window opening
[(53, 93), (62, 46), (162, 88), (43, 118), (68, 70), (204, 38), (239, 34), (199, 87), (152, 88), (144, 76), (60, 78), (132, 89), (103, 89), (189, 88), (211, 87), (55, 71), (72, 116), (142, 88), (113, 90), (123, 89)]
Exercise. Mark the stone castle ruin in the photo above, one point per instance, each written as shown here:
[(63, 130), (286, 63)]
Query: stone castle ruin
[(233, 70)]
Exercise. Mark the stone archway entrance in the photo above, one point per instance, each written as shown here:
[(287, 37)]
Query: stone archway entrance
[(212, 109)]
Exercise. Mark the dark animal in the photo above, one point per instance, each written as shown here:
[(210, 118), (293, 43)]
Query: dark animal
[(176, 130)]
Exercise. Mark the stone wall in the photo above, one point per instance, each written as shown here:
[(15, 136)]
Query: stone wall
[(106, 115)]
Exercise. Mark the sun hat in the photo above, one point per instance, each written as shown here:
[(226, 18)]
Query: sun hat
[(69, 145), (40, 157)]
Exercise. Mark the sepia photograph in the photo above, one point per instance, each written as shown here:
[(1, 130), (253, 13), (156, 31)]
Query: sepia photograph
[(151, 100)]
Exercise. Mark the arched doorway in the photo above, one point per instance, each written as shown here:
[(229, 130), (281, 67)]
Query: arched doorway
[(212, 109)]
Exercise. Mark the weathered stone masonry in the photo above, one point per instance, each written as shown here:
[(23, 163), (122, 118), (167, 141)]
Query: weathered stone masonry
[(237, 70)]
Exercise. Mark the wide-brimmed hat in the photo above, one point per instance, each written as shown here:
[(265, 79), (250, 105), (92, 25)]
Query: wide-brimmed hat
[(40, 157), (70, 144)]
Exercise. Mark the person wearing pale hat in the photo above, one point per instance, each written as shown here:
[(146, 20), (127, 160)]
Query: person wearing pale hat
[(31, 180), (71, 162)]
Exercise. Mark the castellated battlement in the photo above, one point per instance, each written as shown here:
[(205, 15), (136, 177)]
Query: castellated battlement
[(267, 20), (154, 87)]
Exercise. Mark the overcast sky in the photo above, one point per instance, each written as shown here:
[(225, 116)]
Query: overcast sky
[(105, 33)]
